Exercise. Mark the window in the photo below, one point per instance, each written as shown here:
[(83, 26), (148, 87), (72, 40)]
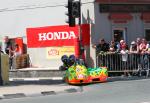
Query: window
[(104, 8)]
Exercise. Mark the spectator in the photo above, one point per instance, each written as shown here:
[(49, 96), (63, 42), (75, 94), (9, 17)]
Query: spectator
[(7, 48), (112, 47), (17, 50), (124, 53), (144, 46), (102, 46), (10, 48), (117, 42), (123, 45), (133, 47), (134, 50), (6, 45), (138, 42)]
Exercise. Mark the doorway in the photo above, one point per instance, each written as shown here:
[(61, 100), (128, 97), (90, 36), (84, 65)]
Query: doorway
[(119, 34), (147, 34)]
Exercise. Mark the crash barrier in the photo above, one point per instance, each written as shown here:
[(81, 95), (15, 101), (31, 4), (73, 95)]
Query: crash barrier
[(119, 63), (21, 61), (4, 69)]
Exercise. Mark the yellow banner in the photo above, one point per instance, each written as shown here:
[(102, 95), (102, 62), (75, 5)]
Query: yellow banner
[(57, 52)]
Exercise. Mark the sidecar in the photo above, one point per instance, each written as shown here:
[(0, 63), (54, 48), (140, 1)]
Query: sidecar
[(99, 74), (79, 74)]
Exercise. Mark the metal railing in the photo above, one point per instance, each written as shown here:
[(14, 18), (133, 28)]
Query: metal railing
[(117, 62)]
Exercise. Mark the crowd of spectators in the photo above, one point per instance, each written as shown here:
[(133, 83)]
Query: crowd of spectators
[(140, 45)]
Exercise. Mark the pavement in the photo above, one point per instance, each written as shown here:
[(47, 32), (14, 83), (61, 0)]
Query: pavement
[(36, 84), (40, 86), (30, 87)]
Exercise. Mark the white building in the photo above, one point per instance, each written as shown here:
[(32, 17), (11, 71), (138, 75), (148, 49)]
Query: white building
[(16, 16)]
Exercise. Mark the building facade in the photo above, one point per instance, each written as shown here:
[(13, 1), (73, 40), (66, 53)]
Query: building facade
[(129, 18)]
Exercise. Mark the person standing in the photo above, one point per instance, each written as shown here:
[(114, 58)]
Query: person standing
[(112, 47), (7, 49), (144, 46), (116, 39), (134, 48), (138, 43), (102, 46), (6, 45), (16, 55), (124, 53), (17, 50)]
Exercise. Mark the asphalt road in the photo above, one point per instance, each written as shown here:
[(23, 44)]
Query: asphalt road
[(127, 91)]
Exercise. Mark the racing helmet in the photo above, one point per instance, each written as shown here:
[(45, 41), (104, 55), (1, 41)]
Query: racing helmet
[(64, 59), (72, 60)]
